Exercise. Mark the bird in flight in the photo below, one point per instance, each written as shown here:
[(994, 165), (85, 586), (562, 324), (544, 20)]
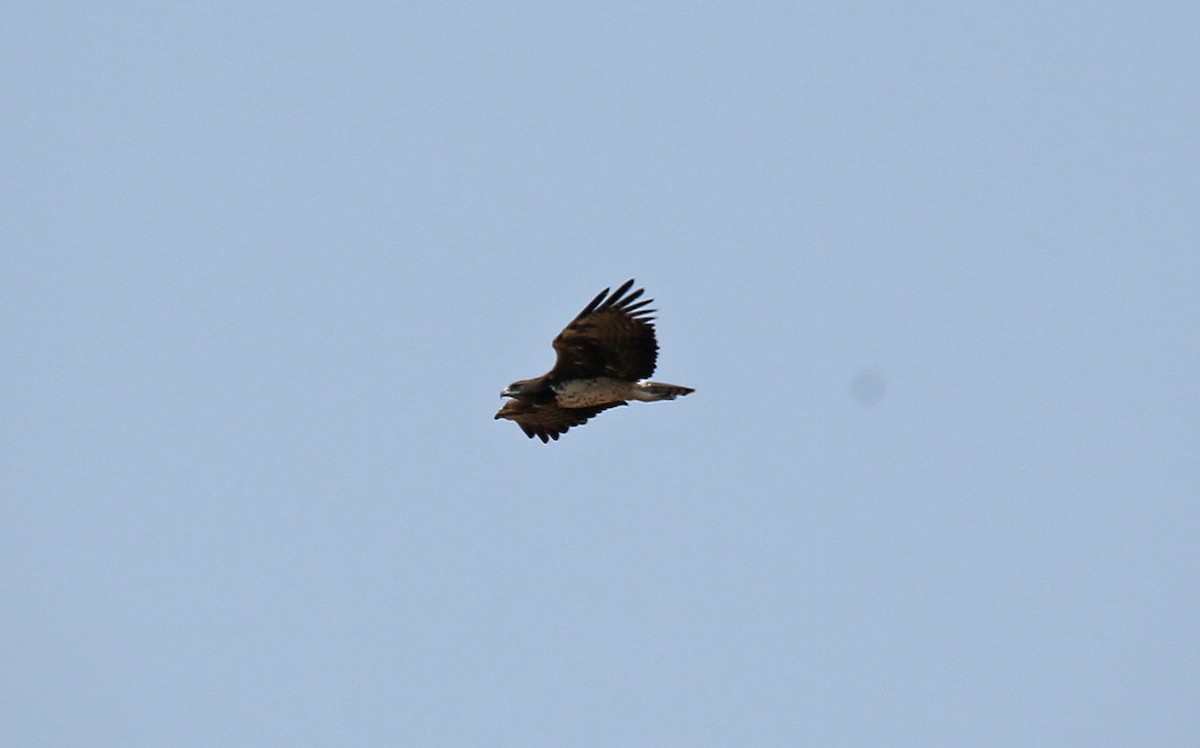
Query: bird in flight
[(604, 357)]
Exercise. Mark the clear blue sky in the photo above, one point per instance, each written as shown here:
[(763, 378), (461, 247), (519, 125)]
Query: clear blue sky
[(266, 269)]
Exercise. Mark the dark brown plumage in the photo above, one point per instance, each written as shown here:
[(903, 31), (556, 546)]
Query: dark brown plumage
[(612, 336), (546, 420), (602, 356)]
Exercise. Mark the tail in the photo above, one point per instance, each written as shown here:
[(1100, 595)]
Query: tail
[(651, 391)]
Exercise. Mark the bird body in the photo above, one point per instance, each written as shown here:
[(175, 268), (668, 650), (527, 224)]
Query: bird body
[(605, 355), (581, 393)]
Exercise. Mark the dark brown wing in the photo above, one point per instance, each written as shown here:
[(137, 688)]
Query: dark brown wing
[(547, 421), (613, 336)]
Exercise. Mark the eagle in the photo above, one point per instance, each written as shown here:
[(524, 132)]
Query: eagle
[(604, 357)]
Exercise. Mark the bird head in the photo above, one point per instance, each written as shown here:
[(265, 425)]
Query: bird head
[(517, 389)]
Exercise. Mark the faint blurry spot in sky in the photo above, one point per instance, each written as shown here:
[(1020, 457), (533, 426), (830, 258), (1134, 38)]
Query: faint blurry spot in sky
[(868, 387)]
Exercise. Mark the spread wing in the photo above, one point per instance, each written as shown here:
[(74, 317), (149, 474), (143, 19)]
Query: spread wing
[(613, 336), (547, 421)]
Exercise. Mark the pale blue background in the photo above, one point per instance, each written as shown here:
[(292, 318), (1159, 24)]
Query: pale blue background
[(266, 267)]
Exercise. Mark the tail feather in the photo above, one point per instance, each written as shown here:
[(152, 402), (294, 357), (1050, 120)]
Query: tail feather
[(662, 391)]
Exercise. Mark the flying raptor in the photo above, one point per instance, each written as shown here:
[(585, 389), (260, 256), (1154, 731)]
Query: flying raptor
[(604, 357)]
